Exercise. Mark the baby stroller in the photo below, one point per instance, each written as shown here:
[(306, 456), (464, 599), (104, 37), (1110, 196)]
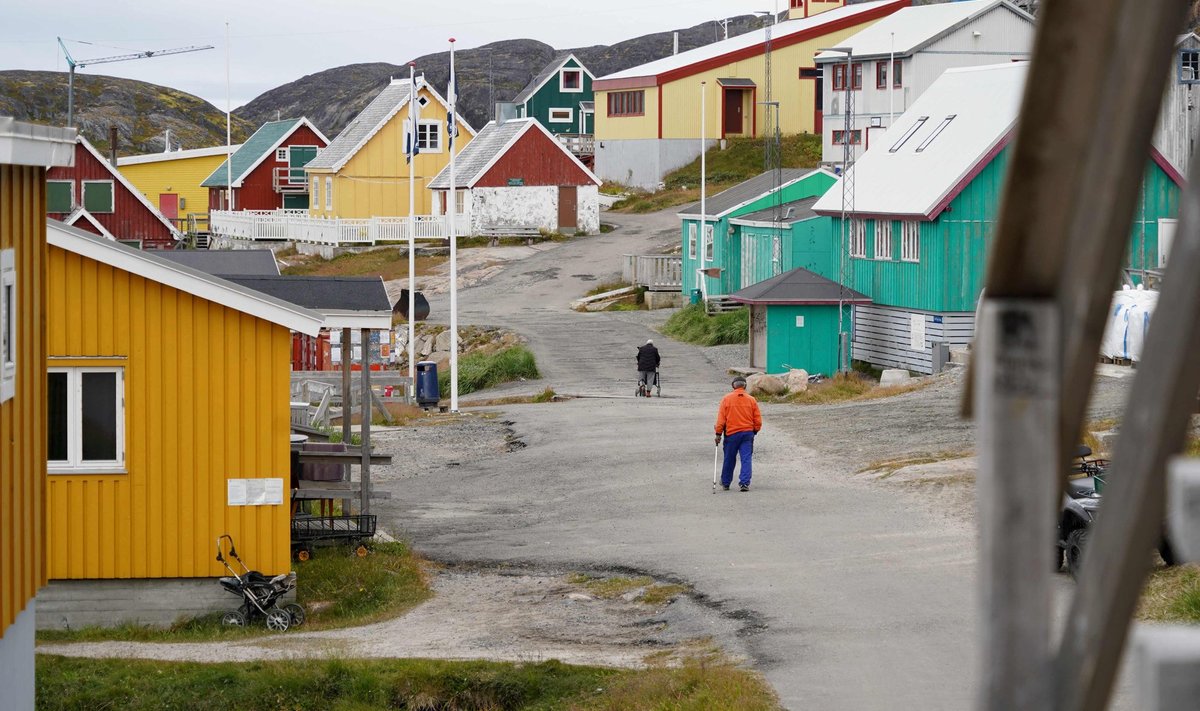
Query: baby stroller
[(259, 595), (643, 389)]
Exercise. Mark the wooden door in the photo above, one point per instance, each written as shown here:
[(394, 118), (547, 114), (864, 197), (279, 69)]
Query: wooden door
[(168, 205), (568, 206), (733, 112), (298, 157)]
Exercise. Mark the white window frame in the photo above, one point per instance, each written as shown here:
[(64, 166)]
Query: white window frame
[(112, 192), (692, 230), (423, 136), (569, 119), (8, 324), (460, 201), (74, 463), (708, 243), (281, 154), (71, 183), (562, 85), (910, 241), (857, 237), (883, 240), (316, 192), (329, 193)]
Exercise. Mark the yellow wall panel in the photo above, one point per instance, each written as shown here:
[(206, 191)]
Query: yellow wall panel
[(181, 176), (629, 127), (206, 400), (22, 444)]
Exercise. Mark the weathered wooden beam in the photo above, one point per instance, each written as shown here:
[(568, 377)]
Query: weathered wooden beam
[(1131, 518), (353, 457), (347, 354), (365, 427), (1017, 381)]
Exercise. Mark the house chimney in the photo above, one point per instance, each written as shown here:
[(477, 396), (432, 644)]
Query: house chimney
[(112, 144), (676, 51)]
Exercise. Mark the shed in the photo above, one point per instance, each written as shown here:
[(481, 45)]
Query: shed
[(515, 174), (794, 321), (267, 170), (94, 196)]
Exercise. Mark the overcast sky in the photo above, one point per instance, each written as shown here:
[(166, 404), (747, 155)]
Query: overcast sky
[(275, 42)]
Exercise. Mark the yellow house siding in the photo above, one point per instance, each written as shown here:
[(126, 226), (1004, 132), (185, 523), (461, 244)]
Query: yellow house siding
[(629, 127), (206, 400), (22, 436), (181, 176)]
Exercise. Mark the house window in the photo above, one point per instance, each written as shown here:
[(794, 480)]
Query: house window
[(460, 202), (881, 72), (839, 77), (708, 243), (910, 243), (281, 154), (627, 103), (562, 115), (98, 196), (329, 193), (8, 324), (936, 132), (883, 239), (897, 74), (60, 196), (429, 136), (86, 419), (858, 237), (858, 75), (839, 137), (316, 191), (908, 134), (423, 101), (570, 80), (1189, 66), (691, 240)]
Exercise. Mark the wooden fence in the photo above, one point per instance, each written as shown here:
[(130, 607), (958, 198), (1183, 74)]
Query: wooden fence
[(656, 272)]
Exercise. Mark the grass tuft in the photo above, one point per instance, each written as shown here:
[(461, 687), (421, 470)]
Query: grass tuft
[(479, 371), (1171, 595), (742, 159), (850, 386), (388, 263), (692, 325)]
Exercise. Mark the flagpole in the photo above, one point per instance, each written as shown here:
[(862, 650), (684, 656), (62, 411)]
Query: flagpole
[(412, 228), (451, 208), (228, 129), (703, 185)]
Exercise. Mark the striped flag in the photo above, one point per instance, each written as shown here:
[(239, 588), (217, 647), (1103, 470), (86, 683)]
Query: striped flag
[(452, 100), (412, 146)]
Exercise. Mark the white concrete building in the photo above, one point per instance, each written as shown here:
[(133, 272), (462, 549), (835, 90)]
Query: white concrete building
[(895, 60)]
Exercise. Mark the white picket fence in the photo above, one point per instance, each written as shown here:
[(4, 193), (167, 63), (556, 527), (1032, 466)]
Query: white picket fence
[(656, 272), (299, 226)]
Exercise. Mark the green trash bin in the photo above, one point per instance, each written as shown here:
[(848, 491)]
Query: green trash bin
[(697, 296)]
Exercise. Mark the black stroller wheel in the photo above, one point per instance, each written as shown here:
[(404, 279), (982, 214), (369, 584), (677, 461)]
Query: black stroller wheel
[(296, 612), (278, 620), (233, 618)]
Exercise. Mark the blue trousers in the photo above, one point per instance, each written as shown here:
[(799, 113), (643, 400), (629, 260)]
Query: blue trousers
[(738, 443)]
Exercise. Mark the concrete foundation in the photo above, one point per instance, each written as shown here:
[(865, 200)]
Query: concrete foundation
[(663, 300), (107, 603), (16, 662), (642, 163)]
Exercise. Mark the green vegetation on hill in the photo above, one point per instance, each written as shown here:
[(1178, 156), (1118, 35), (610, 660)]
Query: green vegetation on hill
[(692, 325), (742, 159)]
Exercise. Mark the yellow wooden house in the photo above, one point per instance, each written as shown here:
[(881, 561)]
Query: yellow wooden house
[(168, 390), (25, 153), (171, 181), (648, 117), (363, 173)]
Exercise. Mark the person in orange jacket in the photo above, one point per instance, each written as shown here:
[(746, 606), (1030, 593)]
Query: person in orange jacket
[(738, 420)]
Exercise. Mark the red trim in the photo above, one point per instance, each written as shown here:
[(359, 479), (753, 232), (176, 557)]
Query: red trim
[(806, 302), (723, 90), (971, 174), (1175, 176), (621, 84), (818, 31), (753, 112)]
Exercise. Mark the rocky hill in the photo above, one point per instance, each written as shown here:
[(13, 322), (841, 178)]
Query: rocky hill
[(141, 112)]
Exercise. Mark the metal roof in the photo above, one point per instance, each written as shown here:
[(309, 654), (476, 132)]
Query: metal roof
[(801, 210), (915, 177), (916, 27), (735, 81), (544, 76), (24, 143), (177, 155), (799, 286), (779, 33), (226, 262), (726, 201), (344, 302), (265, 139), (486, 148)]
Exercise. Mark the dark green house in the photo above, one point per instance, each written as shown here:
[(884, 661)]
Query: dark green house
[(560, 98)]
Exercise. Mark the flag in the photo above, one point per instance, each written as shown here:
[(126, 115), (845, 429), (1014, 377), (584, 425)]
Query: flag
[(452, 100), (412, 146)]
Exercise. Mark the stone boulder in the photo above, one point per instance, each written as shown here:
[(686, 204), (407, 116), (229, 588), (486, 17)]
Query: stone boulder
[(763, 384), (424, 345), (442, 342), (796, 380), (894, 376)]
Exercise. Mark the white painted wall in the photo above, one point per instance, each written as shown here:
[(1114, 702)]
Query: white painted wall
[(531, 206), (589, 208), (16, 662)]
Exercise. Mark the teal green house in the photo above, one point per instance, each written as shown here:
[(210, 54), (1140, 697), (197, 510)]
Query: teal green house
[(560, 97), (756, 230), (926, 198)]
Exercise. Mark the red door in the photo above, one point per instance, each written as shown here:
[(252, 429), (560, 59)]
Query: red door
[(168, 205), (733, 112)]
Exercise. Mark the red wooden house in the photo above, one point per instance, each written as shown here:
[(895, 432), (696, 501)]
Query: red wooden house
[(268, 170), (93, 196)]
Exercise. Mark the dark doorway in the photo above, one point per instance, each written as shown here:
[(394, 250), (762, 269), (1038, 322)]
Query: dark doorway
[(733, 111)]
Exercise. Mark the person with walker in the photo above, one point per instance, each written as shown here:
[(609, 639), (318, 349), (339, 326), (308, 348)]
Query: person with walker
[(647, 364)]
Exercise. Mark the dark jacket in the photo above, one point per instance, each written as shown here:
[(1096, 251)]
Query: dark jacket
[(647, 357)]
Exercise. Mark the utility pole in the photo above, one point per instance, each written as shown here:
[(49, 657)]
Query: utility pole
[(72, 65)]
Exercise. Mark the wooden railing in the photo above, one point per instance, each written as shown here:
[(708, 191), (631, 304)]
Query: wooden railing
[(289, 180), (656, 272), (581, 144), (299, 226)]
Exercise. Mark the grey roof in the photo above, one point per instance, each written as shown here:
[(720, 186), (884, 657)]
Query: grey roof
[(540, 78), (251, 152), (735, 81), (473, 159), (799, 286), (587, 105), (366, 124), (801, 210), (323, 294), (226, 262), (726, 200)]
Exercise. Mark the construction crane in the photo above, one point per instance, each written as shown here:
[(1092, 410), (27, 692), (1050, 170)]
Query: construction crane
[(72, 64)]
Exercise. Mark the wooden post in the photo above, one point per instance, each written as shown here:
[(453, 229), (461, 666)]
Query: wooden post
[(365, 397), (1017, 384), (347, 407)]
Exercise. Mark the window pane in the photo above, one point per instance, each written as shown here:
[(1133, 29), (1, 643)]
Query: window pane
[(99, 416), (58, 196), (56, 411), (98, 197)]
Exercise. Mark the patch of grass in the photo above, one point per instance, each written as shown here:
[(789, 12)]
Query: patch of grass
[(359, 685), (337, 589), (605, 228), (850, 386), (887, 467), (1171, 595), (479, 371), (742, 159), (608, 187), (609, 588), (692, 325), (661, 594), (607, 287), (546, 395), (388, 263), (642, 201)]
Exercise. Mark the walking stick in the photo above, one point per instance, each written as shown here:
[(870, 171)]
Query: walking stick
[(716, 465)]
